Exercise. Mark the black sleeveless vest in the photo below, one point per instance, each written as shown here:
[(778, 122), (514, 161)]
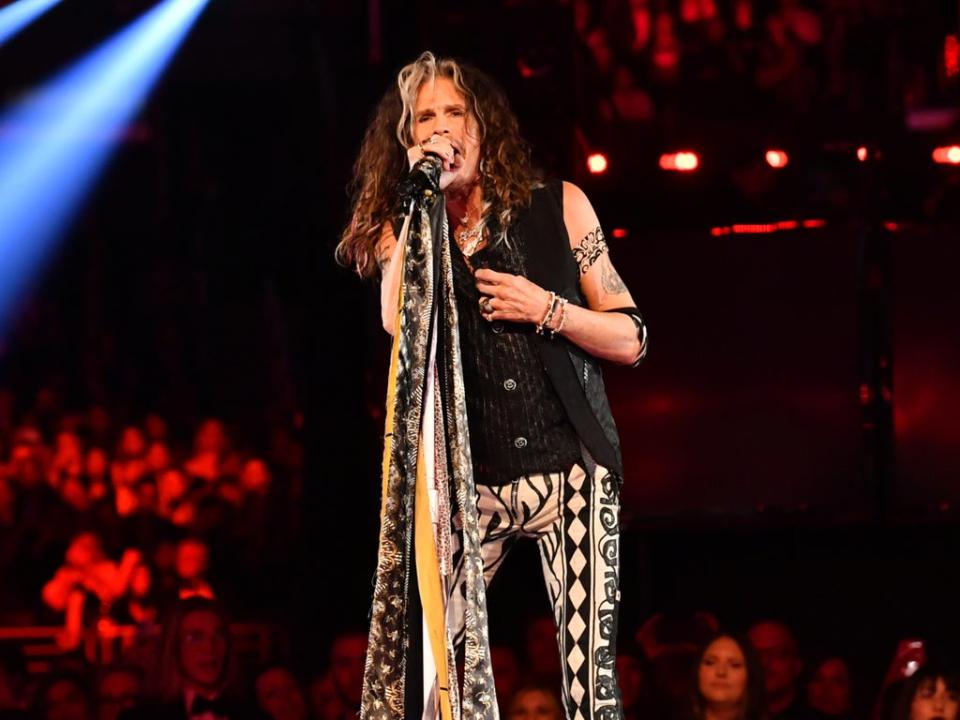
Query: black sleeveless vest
[(564, 381)]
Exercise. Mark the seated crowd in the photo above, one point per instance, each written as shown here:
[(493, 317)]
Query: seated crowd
[(699, 673), (133, 531), (104, 525)]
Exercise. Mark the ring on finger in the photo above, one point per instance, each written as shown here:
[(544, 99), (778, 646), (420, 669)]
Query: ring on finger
[(485, 306)]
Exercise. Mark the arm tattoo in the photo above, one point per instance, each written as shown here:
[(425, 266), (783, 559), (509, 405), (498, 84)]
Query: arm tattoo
[(590, 249), (610, 279)]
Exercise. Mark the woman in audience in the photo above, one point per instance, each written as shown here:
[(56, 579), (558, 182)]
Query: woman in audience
[(931, 693), (829, 688), (729, 681)]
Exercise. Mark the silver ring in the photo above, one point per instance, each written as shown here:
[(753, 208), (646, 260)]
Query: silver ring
[(485, 306)]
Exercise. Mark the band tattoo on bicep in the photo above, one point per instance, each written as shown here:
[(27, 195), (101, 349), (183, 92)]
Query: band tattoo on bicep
[(590, 249), (610, 279)]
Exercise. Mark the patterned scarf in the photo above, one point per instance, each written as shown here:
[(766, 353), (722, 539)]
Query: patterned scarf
[(427, 449)]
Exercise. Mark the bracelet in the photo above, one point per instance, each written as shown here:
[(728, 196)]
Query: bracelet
[(563, 318), (551, 308)]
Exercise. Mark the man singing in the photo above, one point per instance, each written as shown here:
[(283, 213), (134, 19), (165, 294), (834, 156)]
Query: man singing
[(500, 293)]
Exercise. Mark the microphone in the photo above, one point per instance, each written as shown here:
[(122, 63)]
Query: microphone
[(423, 180)]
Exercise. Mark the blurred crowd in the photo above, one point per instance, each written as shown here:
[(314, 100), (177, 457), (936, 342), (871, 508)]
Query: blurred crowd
[(785, 59), (672, 668), (109, 525), (107, 522)]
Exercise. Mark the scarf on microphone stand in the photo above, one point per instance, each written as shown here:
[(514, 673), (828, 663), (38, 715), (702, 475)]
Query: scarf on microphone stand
[(427, 483)]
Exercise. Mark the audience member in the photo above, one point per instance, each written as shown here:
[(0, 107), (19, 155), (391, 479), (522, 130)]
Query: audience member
[(211, 458), (780, 656), (672, 646), (347, 658), (535, 702), (192, 565), (120, 688), (195, 667), (829, 689), (87, 584), (128, 468), (633, 683), (66, 696), (279, 694), (729, 681), (931, 693)]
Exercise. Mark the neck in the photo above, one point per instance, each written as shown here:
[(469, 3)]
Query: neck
[(722, 712), (463, 203)]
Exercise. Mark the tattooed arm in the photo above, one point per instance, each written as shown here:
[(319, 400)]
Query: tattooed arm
[(612, 336), (608, 335)]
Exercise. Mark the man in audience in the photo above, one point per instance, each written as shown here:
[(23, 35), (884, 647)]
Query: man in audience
[(777, 648), (347, 657), (194, 668)]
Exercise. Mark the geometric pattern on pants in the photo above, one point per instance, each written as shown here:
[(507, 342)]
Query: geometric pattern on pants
[(575, 519)]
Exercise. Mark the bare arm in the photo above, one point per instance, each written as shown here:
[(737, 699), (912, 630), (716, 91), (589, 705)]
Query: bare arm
[(389, 252), (611, 336)]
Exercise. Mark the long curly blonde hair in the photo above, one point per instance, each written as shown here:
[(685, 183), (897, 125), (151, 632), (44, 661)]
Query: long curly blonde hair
[(507, 176)]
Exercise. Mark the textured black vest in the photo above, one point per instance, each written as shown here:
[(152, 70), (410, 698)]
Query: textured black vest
[(575, 373), (518, 425), (541, 252)]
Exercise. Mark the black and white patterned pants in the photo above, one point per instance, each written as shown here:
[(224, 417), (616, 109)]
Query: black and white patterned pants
[(575, 520)]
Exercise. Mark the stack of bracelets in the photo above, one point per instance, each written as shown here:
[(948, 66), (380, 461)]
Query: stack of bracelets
[(542, 327)]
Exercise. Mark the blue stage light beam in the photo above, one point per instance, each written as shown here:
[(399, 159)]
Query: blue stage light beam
[(55, 143), (14, 18)]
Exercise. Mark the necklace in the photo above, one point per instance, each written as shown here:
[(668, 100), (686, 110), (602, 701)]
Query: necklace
[(469, 240)]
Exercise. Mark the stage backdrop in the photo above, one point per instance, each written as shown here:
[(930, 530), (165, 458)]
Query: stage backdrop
[(747, 406)]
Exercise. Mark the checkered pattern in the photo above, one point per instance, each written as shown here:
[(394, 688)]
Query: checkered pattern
[(575, 519)]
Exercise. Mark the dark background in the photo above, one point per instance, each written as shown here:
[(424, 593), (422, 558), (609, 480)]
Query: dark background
[(791, 441)]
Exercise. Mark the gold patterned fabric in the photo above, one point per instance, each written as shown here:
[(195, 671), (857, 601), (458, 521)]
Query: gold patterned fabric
[(426, 349)]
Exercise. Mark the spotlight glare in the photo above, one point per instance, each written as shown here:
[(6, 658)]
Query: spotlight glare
[(14, 18), (949, 155), (56, 141), (777, 159), (862, 154), (597, 163)]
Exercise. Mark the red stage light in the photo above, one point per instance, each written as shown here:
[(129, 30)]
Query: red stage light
[(862, 154), (777, 158), (765, 228), (951, 56), (597, 163), (947, 155), (683, 161), (619, 233)]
